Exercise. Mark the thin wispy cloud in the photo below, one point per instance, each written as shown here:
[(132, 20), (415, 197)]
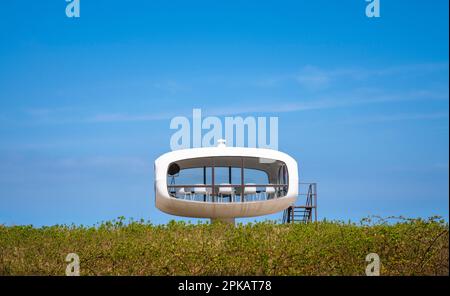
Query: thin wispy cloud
[(382, 118), (122, 117), (317, 78), (359, 98), (339, 101), (313, 78), (321, 81)]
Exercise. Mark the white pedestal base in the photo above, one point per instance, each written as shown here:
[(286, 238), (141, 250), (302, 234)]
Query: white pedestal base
[(225, 220)]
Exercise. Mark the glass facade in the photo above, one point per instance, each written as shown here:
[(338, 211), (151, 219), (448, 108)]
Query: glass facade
[(227, 179)]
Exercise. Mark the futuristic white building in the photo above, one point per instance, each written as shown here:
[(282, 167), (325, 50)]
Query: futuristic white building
[(224, 183)]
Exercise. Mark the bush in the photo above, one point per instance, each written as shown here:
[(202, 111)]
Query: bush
[(405, 247)]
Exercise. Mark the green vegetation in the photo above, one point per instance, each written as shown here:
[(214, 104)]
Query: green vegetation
[(405, 247)]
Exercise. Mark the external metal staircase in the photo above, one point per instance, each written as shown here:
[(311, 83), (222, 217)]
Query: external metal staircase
[(303, 213)]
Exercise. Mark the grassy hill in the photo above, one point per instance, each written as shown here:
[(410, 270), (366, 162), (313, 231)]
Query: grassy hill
[(405, 247)]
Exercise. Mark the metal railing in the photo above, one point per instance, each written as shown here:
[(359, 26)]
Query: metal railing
[(303, 212), (212, 193)]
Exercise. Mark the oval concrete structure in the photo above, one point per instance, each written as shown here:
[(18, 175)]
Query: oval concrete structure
[(222, 210)]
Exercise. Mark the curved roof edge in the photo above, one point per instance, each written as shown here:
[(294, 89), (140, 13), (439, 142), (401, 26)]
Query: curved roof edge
[(223, 151)]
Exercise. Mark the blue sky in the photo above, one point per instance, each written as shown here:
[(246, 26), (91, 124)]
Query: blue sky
[(85, 104)]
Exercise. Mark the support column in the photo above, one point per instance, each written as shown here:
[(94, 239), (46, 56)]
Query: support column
[(224, 220)]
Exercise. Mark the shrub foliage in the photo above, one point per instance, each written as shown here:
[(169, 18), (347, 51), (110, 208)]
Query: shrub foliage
[(405, 247)]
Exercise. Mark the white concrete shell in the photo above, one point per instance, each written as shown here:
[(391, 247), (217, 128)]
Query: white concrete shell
[(216, 210)]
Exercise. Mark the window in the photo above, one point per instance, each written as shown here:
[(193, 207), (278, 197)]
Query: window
[(201, 178)]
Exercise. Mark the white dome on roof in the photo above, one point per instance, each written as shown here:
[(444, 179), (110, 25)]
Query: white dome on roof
[(221, 143)]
